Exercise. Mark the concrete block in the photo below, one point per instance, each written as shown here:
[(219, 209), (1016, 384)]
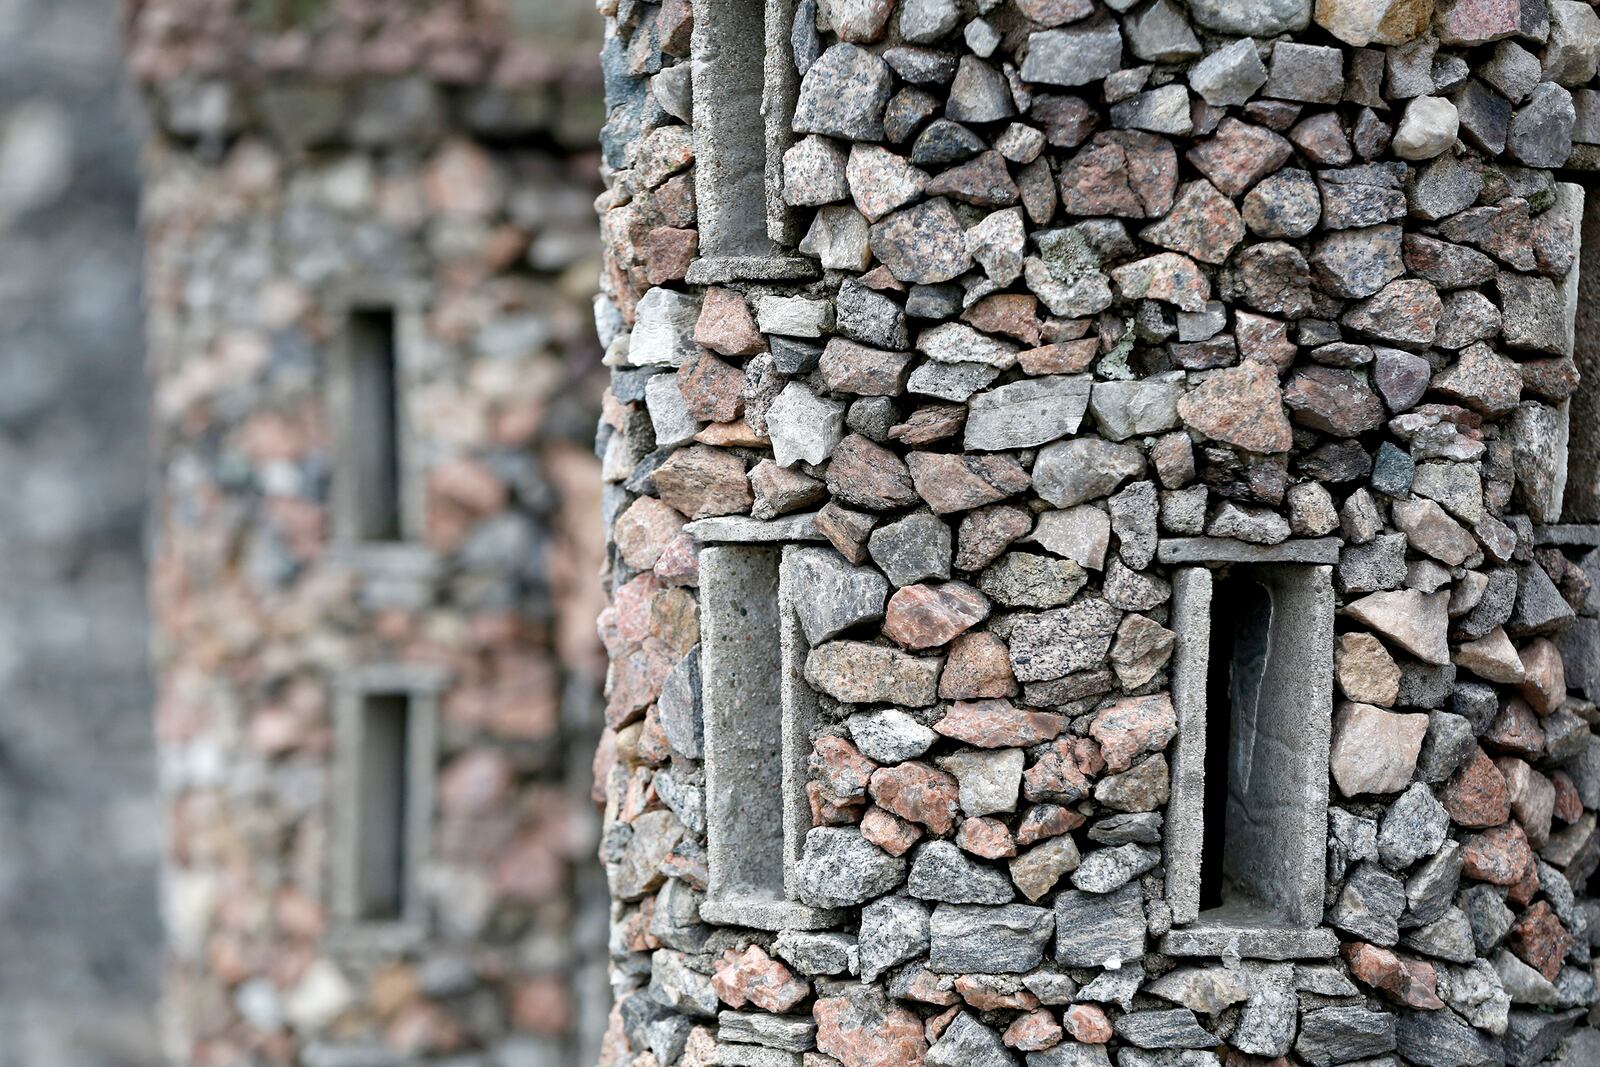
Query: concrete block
[(1226, 550)]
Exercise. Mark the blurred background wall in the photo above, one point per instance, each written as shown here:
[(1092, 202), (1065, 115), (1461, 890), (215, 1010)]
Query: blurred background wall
[(79, 937), (371, 260)]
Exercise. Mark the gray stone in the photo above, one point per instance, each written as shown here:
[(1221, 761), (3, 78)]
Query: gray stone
[(1432, 885), (1230, 75), (1541, 129), (1056, 643), (1027, 580), (912, 549), (864, 315), (1370, 906), (1267, 1023), (1071, 472), (1010, 939), (1448, 937), (893, 930), (1447, 745), (772, 1032), (674, 983), (1082, 534), (831, 596), (679, 707), (979, 93), (1358, 262), (1169, 1028), (840, 868), (1341, 1035), (1027, 413), (1208, 990), (818, 953), (1163, 110), (950, 381), (889, 735), (1309, 73), (1160, 33), (1488, 915), (1135, 408), (926, 21), (1094, 930), (1438, 1039), (844, 94), (1073, 1054), (1074, 55), (663, 329), (1252, 18), (803, 426), (942, 872), (1414, 826), (989, 781), (968, 1043), (1106, 869), (1133, 518)]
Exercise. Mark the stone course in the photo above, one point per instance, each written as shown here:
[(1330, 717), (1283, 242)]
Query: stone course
[(1104, 301)]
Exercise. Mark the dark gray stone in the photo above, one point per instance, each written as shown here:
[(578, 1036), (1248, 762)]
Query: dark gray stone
[(1010, 939), (1094, 930)]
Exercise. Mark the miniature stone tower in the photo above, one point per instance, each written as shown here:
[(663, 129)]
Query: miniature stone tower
[(371, 262), (1103, 503)]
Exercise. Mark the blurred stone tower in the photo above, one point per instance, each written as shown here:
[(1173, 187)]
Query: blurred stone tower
[(1103, 502), (371, 260)]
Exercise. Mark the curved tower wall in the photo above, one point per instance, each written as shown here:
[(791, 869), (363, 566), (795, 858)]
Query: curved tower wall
[(1101, 532), (370, 270)]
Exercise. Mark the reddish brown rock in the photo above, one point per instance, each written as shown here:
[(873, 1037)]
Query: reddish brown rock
[(848, 367), (1333, 401), (712, 389), (1043, 821), (865, 1030), (927, 616), (847, 531), (1202, 224), (1567, 805), (1374, 751), (644, 531), (917, 792), (994, 993), (753, 977), (959, 483), (1263, 340), (701, 481), (1500, 856), (1411, 982), (1544, 682), (867, 475), (983, 182), (1033, 1032), (998, 724), (1122, 172), (1055, 776), (1240, 406), (841, 767), (1064, 357), (1132, 726), (1013, 314), (1238, 155), (1476, 795), (1541, 940), (986, 532), (1086, 1023), (930, 423), (727, 325), (978, 667), (986, 837), (1166, 276), (889, 832), (1048, 13), (668, 251), (1516, 730)]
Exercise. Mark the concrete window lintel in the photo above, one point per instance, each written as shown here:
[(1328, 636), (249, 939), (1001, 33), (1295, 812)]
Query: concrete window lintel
[(737, 530), (1226, 550)]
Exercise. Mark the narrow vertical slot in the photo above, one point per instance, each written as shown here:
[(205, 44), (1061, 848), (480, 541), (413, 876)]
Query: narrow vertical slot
[(373, 429), (382, 799)]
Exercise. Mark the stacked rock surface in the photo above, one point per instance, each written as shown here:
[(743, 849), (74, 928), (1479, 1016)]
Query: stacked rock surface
[(1055, 285)]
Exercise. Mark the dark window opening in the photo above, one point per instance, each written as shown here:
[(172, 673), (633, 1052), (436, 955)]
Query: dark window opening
[(1581, 500), (382, 799), (1241, 623), (373, 430)]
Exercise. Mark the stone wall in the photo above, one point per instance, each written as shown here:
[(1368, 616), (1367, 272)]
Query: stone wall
[(80, 939), (323, 179), (1088, 582)]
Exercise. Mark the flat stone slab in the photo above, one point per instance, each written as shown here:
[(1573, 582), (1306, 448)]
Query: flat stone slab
[(1567, 533), (736, 530), (1255, 941), (1226, 550), (761, 913), (721, 270)]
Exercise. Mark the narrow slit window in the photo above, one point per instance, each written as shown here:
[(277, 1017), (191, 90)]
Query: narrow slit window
[(382, 808), (758, 715), (1241, 624), (1253, 689), (1581, 501), (373, 427), (733, 139)]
